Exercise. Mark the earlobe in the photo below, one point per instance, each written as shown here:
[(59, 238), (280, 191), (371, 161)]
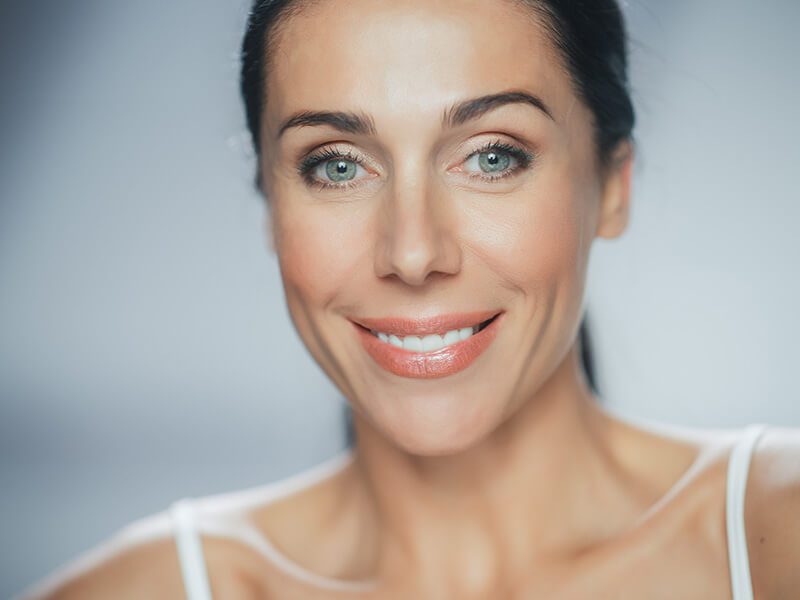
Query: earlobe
[(615, 203)]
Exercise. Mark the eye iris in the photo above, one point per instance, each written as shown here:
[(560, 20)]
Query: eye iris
[(340, 170), (493, 161)]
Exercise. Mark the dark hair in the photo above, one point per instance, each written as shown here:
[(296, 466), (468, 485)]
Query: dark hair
[(589, 34)]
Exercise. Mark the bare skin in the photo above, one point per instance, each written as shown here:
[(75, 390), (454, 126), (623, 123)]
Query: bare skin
[(506, 480)]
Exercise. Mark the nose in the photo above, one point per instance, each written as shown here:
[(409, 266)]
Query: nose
[(418, 235)]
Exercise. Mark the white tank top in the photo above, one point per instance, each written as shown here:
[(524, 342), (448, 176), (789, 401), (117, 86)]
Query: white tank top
[(195, 577)]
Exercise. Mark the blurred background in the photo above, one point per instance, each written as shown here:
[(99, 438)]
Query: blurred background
[(145, 350)]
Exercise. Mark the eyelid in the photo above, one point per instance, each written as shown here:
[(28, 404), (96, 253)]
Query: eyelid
[(518, 151), (330, 152), (481, 142), (324, 154)]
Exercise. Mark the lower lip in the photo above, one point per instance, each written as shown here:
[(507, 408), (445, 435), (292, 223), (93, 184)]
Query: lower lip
[(428, 365)]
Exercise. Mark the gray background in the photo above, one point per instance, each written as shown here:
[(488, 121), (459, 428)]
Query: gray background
[(145, 350)]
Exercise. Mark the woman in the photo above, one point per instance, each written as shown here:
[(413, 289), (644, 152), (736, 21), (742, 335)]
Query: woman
[(436, 174)]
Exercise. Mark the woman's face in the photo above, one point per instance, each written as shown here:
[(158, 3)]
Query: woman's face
[(416, 205)]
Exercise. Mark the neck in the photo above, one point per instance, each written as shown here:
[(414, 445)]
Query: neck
[(525, 490)]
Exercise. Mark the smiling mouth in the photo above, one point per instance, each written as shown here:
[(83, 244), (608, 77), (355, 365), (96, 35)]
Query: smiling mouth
[(432, 341), (428, 347)]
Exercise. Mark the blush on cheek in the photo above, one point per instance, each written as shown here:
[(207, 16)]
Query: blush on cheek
[(537, 245), (561, 216), (558, 242), (316, 246), (306, 262)]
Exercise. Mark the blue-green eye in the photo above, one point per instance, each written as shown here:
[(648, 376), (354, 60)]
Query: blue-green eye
[(331, 169), (340, 170), (496, 160), (491, 162)]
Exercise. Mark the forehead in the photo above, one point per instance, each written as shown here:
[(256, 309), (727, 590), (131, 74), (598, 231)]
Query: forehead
[(409, 58)]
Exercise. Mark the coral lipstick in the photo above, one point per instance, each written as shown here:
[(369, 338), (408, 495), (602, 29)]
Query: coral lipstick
[(417, 363)]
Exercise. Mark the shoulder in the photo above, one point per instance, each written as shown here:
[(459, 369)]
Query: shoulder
[(772, 513), (140, 561)]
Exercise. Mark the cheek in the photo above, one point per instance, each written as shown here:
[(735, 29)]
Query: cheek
[(536, 240), (317, 249)]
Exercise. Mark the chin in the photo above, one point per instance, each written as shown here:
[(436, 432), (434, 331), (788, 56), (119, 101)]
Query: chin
[(420, 444), (435, 425)]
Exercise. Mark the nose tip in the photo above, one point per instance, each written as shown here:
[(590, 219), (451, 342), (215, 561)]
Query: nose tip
[(419, 240), (413, 264)]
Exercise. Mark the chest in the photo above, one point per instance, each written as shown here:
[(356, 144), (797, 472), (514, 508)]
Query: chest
[(689, 566), (679, 551)]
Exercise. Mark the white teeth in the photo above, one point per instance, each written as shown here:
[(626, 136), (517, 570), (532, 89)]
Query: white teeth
[(428, 343), (451, 337), (432, 342), (413, 343)]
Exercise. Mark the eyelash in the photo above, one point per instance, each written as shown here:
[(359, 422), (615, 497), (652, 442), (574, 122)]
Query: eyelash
[(307, 166)]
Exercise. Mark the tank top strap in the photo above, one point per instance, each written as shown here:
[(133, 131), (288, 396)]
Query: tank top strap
[(738, 468), (190, 550)]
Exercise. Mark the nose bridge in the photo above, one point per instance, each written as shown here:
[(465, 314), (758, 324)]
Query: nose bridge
[(419, 235)]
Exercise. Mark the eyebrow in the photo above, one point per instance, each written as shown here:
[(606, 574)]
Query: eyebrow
[(453, 116), (347, 122), (474, 108)]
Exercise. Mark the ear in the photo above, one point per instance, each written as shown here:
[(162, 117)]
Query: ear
[(615, 203)]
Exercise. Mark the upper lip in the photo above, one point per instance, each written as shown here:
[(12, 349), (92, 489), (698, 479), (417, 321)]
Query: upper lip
[(402, 326)]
